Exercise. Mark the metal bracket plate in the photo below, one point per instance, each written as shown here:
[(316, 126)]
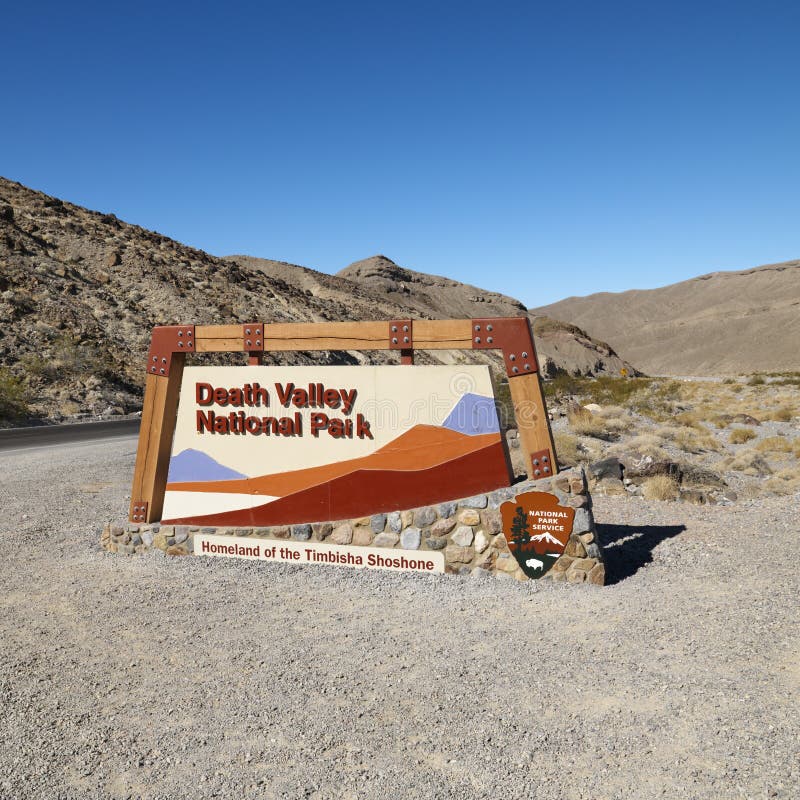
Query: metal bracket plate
[(139, 511), (401, 334), (166, 340), (513, 336), (541, 464), (252, 340)]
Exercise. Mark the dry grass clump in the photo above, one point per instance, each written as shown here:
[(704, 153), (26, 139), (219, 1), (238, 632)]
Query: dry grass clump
[(787, 481), (690, 419), (660, 487), (782, 414), (645, 444), (696, 441), (585, 423), (774, 444), (785, 378), (690, 440), (567, 449), (748, 462), (741, 435), (612, 413), (796, 447)]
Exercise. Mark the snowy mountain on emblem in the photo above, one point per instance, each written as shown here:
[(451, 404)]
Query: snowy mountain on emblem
[(545, 537)]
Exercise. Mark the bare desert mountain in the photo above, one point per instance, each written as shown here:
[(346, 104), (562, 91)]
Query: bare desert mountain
[(429, 294), (560, 346), (80, 291), (717, 324)]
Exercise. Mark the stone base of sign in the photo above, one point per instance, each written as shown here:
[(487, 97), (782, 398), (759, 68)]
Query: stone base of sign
[(467, 531)]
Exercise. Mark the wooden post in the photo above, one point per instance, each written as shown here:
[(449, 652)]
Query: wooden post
[(155, 442), (514, 336), (533, 423)]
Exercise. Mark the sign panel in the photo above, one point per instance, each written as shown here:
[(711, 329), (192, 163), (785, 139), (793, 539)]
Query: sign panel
[(268, 446), (318, 553), (537, 530)]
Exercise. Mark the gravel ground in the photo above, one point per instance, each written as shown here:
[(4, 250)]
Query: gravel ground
[(156, 677)]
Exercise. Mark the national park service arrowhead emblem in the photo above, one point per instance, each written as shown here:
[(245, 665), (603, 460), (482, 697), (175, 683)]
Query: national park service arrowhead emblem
[(537, 530)]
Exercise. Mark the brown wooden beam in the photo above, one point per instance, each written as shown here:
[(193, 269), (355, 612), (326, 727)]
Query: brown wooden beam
[(155, 442), (533, 424)]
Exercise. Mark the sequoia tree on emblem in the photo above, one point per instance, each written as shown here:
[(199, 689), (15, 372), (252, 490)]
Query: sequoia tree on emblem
[(537, 530)]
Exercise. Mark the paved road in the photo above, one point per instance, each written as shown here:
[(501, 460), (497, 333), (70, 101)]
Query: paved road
[(50, 435)]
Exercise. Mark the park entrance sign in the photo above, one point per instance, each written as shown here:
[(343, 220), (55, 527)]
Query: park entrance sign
[(264, 446), (262, 427), (399, 457)]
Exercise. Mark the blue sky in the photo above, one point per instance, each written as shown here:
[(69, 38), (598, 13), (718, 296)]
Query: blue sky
[(538, 149)]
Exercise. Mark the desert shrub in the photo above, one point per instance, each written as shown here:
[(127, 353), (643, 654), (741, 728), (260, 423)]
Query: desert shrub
[(651, 397), (756, 380), (645, 444), (728, 381), (774, 444), (787, 481), (796, 447), (585, 423), (786, 379), (13, 397), (665, 433), (782, 414), (748, 462), (741, 435), (611, 413), (561, 385), (690, 440), (696, 441), (605, 390), (720, 421), (660, 487), (690, 419), (67, 357), (615, 419), (658, 399), (567, 449)]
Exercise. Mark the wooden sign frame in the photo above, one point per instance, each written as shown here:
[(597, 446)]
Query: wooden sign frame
[(170, 344)]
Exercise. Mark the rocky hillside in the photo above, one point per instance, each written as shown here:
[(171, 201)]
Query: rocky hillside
[(717, 324), (560, 346), (80, 291), (429, 295)]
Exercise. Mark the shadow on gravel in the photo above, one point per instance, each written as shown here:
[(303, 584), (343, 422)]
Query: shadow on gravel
[(627, 548)]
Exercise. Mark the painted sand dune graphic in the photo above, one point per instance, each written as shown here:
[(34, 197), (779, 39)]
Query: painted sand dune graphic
[(422, 447), (423, 465), (364, 491)]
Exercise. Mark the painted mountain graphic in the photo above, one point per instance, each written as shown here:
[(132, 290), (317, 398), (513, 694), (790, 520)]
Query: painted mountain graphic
[(473, 415), (192, 465), (427, 464), (546, 537)]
